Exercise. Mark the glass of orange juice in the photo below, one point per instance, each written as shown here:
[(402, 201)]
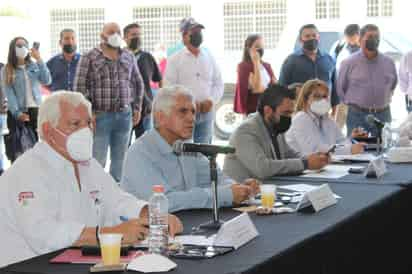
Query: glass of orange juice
[(268, 195), (110, 248)]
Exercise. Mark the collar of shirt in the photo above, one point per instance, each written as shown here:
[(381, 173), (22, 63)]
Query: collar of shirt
[(301, 52), (125, 57), (374, 60), (188, 52), (75, 57), (315, 118), (53, 158), (161, 144)]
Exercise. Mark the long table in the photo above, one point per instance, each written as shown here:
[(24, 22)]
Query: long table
[(398, 174), (366, 232)]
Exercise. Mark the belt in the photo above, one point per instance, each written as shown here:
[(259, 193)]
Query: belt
[(369, 110)]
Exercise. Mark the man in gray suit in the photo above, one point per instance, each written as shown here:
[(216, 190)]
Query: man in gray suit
[(261, 148)]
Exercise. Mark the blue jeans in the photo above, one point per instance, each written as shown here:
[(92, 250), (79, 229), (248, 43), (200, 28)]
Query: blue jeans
[(112, 129), (203, 131), (357, 118)]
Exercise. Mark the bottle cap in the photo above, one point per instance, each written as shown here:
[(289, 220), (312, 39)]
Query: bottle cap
[(158, 188)]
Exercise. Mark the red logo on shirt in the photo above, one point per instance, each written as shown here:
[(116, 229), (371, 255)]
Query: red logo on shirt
[(25, 195)]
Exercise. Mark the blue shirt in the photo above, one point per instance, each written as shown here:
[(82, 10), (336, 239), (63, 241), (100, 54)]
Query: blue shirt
[(62, 72), (151, 161), (299, 68), (38, 74)]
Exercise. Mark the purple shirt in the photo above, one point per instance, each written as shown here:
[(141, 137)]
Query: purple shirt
[(367, 83), (111, 86)]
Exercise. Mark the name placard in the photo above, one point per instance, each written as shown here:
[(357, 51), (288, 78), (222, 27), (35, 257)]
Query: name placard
[(319, 198), (236, 232)]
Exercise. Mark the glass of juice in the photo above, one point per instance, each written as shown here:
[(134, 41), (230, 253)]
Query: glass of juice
[(110, 248), (268, 194)]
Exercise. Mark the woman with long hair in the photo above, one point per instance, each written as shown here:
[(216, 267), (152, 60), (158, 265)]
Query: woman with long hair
[(253, 76), (22, 78), (312, 129)]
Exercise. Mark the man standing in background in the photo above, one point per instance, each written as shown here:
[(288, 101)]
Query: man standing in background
[(108, 76), (149, 71), (310, 62), (366, 82), (63, 66), (196, 69), (351, 45)]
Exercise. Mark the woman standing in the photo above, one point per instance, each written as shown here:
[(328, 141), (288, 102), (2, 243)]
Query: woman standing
[(22, 80), (253, 76)]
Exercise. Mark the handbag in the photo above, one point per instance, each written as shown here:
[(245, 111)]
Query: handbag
[(19, 140)]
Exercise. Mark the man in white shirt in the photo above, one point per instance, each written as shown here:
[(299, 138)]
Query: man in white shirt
[(196, 69), (55, 195), (405, 79)]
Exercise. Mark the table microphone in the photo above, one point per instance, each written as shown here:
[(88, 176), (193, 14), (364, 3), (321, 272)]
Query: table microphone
[(372, 120), (180, 147)]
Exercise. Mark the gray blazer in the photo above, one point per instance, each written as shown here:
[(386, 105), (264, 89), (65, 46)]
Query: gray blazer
[(255, 155)]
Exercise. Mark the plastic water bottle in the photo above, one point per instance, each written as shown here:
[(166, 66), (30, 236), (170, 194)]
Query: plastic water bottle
[(158, 221), (387, 141)]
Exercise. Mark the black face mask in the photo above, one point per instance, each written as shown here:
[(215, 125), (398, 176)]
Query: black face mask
[(283, 125), (135, 43), (260, 51), (69, 48), (372, 44), (310, 45), (196, 39)]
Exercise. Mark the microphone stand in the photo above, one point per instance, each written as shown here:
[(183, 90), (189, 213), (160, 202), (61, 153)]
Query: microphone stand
[(215, 224), (379, 149)]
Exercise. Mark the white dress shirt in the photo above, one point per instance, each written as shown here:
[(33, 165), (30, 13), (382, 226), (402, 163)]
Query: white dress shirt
[(405, 74), (310, 133), (42, 208), (200, 74), (264, 76)]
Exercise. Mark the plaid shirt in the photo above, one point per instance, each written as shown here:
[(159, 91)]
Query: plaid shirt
[(111, 86)]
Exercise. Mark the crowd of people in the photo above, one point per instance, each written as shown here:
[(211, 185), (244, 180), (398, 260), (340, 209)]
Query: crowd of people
[(51, 192)]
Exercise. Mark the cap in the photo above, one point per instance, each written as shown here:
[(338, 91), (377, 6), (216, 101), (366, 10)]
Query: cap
[(158, 188), (189, 23)]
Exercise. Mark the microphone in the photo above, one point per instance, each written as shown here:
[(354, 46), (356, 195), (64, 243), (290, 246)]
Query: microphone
[(372, 120), (208, 150)]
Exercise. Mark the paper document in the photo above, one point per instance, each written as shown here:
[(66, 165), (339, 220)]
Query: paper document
[(329, 172), (364, 157), (195, 240), (303, 188)]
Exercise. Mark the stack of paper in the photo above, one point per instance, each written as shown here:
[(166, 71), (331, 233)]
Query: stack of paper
[(329, 172), (151, 263)]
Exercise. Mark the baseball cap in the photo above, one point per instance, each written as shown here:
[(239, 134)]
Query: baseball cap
[(189, 23)]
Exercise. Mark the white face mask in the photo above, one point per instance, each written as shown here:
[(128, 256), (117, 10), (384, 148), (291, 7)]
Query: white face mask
[(115, 40), (22, 52), (79, 144), (320, 107)]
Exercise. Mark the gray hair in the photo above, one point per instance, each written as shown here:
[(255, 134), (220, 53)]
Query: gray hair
[(49, 110), (166, 98)]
